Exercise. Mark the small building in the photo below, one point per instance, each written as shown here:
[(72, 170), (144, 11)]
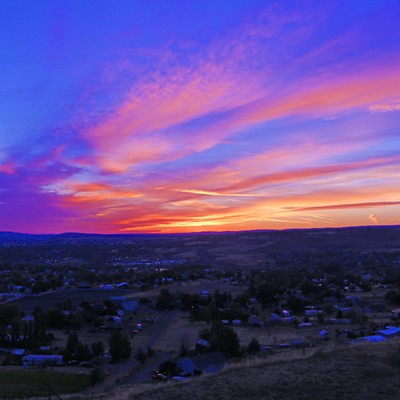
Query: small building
[(324, 335), (129, 305), (396, 313), (84, 285), (371, 339), (42, 359), (18, 352), (256, 321), (389, 332), (299, 343), (304, 325), (312, 313), (202, 343), (275, 318), (204, 363)]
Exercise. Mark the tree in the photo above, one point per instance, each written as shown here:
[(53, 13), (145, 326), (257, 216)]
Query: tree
[(222, 338), (253, 346), (141, 356), (296, 304), (72, 347), (55, 318), (165, 300), (98, 348), (184, 346), (120, 346)]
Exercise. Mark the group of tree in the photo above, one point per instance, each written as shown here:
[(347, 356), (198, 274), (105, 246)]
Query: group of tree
[(17, 331), (119, 347), (221, 338)]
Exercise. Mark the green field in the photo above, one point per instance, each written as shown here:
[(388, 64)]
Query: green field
[(16, 384)]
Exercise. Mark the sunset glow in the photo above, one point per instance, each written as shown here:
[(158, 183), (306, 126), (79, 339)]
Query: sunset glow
[(186, 116)]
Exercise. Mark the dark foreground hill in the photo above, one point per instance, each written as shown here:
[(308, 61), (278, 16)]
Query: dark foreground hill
[(360, 372)]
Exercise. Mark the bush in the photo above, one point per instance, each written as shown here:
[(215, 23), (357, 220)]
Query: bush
[(97, 375), (254, 346)]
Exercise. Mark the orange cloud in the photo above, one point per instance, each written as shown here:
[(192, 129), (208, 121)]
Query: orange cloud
[(373, 218)]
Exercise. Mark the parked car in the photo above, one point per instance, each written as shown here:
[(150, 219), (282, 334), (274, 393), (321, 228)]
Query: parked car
[(159, 376)]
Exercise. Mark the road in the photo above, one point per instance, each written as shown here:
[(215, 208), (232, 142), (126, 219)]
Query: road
[(132, 371)]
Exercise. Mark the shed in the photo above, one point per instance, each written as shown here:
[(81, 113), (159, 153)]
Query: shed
[(129, 305), (396, 313), (389, 332), (256, 321), (204, 363), (305, 325), (202, 342), (371, 338), (41, 359)]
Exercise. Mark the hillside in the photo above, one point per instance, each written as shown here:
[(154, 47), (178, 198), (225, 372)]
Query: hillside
[(359, 372)]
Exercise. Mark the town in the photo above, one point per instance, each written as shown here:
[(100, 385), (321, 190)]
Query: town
[(171, 320)]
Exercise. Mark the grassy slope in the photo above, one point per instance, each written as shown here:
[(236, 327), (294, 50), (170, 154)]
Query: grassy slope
[(358, 372)]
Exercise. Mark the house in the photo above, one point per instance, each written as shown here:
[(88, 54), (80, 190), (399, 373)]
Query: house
[(84, 285), (41, 359), (312, 313), (324, 335), (299, 343), (305, 325), (204, 363), (274, 318), (202, 343), (256, 321), (129, 305), (371, 339), (396, 313), (389, 332)]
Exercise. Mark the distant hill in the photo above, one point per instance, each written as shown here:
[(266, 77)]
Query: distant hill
[(243, 249)]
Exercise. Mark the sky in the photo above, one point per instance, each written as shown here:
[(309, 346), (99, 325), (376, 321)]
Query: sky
[(147, 116)]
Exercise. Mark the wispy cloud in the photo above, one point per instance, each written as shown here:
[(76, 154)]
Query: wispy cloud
[(385, 107), (285, 118)]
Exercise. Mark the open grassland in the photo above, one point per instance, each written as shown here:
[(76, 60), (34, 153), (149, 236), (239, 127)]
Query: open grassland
[(361, 372), (194, 287), (18, 383), (50, 300)]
